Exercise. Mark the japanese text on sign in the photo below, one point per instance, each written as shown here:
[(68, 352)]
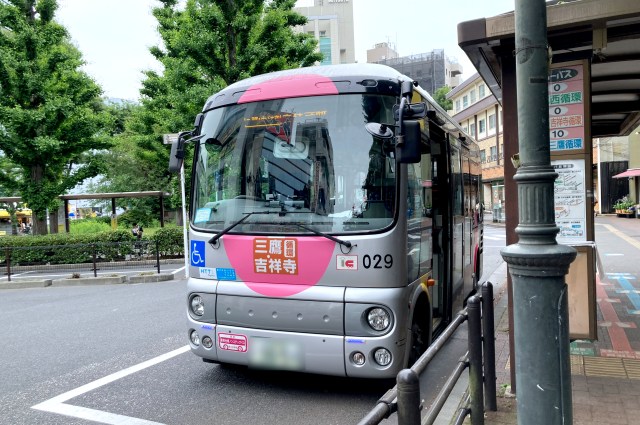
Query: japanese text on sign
[(275, 256), (566, 108)]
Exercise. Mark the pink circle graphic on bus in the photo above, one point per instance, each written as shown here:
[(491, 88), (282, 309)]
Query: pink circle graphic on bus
[(281, 266)]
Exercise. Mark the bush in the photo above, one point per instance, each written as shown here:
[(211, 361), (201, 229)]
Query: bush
[(89, 225), (170, 241), (70, 248), (624, 204)]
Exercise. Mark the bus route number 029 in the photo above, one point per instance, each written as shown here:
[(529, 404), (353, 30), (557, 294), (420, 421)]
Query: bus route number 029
[(377, 261)]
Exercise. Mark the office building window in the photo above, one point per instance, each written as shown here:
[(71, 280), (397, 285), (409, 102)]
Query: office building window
[(473, 96), (483, 156), (465, 101), (457, 105), (493, 154), (481, 126), (492, 121), (472, 130), (481, 91), (325, 49)]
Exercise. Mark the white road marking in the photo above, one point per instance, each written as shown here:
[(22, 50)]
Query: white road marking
[(622, 235), (57, 405)]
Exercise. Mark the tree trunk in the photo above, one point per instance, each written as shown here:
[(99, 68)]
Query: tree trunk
[(38, 216), (53, 222)]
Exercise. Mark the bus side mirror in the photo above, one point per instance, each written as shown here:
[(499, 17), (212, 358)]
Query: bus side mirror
[(176, 157), (409, 151)]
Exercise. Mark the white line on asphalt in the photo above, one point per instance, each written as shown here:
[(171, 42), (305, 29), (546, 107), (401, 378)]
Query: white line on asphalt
[(622, 235), (56, 404)]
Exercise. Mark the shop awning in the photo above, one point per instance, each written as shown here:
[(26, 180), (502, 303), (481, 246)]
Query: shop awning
[(634, 172)]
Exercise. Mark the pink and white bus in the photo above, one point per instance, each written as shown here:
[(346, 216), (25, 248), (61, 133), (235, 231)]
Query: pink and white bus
[(335, 224)]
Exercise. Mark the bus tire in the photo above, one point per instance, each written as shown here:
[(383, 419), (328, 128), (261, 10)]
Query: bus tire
[(420, 331)]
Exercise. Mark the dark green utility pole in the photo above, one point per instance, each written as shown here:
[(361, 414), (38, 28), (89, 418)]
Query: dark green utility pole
[(537, 263)]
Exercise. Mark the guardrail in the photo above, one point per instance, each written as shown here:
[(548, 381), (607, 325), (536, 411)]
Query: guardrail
[(404, 397), (79, 257)]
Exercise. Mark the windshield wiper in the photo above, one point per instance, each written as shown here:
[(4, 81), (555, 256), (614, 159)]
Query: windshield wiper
[(227, 229), (324, 235)]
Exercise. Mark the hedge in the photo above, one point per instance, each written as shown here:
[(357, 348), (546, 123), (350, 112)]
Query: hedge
[(65, 248)]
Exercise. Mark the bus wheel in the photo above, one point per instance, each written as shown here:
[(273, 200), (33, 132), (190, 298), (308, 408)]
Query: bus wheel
[(420, 340)]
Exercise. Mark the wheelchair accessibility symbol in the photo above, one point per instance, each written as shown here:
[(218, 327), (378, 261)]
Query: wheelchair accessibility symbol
[(197, 254)]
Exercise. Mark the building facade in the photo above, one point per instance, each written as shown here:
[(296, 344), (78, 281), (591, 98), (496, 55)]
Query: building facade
[(331, 23), (431, 70), (381, 52), (480, 115)]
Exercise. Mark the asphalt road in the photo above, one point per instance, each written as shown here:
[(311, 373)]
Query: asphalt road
[(118, 354)]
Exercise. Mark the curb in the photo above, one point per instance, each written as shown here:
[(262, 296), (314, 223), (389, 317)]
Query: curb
[(19, 284), (83, 281)]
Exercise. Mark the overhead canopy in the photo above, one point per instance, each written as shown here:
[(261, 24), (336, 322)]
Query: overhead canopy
[(634, 172), (607, 32)]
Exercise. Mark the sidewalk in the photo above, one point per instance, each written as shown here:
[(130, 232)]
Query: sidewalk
[(606, 390)]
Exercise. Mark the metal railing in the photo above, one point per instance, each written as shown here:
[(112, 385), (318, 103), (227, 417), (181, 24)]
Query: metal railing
[(79, 257), (404, 397)]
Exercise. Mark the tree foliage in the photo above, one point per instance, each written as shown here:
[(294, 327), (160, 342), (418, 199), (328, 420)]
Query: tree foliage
[(51, 115), (206, 45), (440, 96)]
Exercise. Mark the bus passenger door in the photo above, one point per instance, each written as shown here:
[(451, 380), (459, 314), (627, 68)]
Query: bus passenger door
[(457, 229)]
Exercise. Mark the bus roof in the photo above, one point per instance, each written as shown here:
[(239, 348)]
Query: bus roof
[(308, 81), (324, 80)]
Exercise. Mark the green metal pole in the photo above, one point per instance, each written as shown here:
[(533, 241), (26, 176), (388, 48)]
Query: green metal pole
[(537, 263)]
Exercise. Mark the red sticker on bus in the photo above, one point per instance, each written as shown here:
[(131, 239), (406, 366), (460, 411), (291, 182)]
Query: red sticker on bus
[(233, 342)]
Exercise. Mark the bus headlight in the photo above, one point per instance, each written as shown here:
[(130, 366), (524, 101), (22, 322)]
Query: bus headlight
[(197, 305), (195, 338), (382, 356), (378, 318)]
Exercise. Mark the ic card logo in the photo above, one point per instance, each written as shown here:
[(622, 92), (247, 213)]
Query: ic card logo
[(347, 262)]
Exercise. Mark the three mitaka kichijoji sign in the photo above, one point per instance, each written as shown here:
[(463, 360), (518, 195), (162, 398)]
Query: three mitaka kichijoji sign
[(566, 108), (275, 256)]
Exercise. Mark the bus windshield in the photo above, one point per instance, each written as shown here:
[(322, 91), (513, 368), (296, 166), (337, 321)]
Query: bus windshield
[(298, 161)]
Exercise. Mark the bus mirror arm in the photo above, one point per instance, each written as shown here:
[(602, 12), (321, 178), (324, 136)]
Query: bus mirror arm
[(176, 157)]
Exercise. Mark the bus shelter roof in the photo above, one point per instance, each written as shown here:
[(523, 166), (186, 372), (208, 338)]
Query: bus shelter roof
[(112, 195), (606, 32)]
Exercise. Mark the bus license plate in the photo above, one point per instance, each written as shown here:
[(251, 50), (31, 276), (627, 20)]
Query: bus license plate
[(269, 353)]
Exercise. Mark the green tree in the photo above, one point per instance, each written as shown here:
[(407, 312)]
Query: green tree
[(440, 96), (51, 113), (207, 45)]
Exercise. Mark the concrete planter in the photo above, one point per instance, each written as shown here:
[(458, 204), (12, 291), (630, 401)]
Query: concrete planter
[(110, 280)]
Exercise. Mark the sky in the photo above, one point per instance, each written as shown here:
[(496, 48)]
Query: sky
[(114, 36)]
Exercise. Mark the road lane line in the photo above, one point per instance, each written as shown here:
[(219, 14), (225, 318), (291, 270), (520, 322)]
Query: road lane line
[(621, 235), (96, 415), (56, 404)]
